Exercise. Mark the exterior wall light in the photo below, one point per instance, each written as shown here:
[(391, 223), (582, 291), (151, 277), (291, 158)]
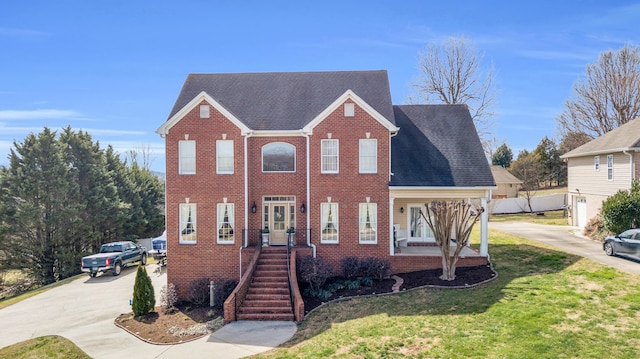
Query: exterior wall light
[(303, 208), (254, 208)]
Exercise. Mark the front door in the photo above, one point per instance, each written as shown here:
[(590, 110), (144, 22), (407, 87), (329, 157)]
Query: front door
[(418, 229), (278, 225)]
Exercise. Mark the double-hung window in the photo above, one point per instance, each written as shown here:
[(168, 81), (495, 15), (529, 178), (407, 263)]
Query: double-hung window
[(224, 156), (225, 222), (329, 150), (368, 218), (329, 222), (368, 156), (596, 163), (187, 157), (610, 167), (188, 218)]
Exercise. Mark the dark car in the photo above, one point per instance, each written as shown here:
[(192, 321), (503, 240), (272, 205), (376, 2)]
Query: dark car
[(626, 243)]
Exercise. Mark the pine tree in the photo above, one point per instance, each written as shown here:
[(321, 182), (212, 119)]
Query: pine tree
[(144, 300)]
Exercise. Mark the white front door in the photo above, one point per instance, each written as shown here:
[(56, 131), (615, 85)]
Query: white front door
[(279, 215), (581, 212)]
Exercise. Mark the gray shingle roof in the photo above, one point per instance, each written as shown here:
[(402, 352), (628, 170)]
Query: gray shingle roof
[(625, 137), (437, 145), (286, 100), (501, 175)]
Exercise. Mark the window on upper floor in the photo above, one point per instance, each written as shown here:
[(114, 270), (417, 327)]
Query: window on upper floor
[(225, 222), (224, 156), (610, 167), (204, 111), (187, 157), (329, 154), (188, 218), (368, 218), (368, 156), (329, 222), (596, 163), (278, 157), (349, 110)]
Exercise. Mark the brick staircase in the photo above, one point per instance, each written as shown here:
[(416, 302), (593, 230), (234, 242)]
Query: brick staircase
[(268, 295)]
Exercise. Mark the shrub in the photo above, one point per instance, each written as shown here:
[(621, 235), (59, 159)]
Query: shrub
[(375, 267), (169, 297), (320, 293), (366, 281), (144, 299), (595, 228), (315, 271), (222, 291), (622, 210), (350, 267), (198, 292)]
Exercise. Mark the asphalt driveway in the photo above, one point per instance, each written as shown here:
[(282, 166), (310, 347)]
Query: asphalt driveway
[(83, 311), (568, 239)]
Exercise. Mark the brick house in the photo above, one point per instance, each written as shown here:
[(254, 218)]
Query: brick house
[(323, 152)]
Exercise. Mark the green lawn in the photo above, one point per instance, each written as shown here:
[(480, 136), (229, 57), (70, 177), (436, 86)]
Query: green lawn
[(549, 217), (44, 347), (544, 304)]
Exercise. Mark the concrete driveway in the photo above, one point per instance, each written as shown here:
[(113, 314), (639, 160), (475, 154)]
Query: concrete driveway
[(83, 311), (568, 239)]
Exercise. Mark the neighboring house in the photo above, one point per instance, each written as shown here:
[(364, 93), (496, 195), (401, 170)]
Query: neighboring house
[(600, 168), (324, 152), (508, 184)]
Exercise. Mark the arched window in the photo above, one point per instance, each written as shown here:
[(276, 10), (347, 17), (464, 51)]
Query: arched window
[(278, 157)]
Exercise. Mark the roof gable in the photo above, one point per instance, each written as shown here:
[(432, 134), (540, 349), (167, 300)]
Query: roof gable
[(501, 175), (437, 145), (624, 138)]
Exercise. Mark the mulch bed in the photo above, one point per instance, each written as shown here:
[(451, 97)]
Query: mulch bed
[(465, 277)]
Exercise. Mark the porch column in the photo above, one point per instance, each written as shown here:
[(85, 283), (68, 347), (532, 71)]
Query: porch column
[(484, 228), (391, 249)]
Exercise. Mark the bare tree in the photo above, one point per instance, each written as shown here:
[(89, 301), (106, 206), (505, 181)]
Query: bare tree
[(451, 73), (447, 220), (527, 169), (607, 97), (140, 156)]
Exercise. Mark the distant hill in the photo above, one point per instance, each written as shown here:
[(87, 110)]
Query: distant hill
[(161, 176)]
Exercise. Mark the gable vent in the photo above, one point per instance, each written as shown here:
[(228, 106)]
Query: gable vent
[(349, 110), (204, 111)]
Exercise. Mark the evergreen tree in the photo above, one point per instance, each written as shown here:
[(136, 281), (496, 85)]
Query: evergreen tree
[(144, 299), (503, 156)]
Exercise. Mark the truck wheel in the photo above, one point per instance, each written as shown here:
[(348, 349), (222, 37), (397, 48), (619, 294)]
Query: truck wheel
[(117, 269), (144, 260), (93, 275)]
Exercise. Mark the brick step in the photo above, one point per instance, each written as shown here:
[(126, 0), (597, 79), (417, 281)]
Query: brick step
[(265, 316), (270, 282), (271, 266), (270, 278), (270, 273), (269, 290), (266, 310), (263, 296), (283, 304)]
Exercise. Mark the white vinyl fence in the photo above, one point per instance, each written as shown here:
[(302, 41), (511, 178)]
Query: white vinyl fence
[(550, 202)]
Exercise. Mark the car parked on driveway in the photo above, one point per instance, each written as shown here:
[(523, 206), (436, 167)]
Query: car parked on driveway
[(113, 257), (626, 243)]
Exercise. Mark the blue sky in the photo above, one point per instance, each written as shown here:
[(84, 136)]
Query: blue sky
[(115, 68)]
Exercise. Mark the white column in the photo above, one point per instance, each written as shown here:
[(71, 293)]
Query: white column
[(391, 249), (484, 228)]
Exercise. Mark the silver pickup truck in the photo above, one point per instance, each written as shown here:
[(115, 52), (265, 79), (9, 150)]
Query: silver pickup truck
[(112, 257)]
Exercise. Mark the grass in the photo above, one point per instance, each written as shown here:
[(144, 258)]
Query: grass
[(544, 304), (550, 217), (44, 347), (544, 192)]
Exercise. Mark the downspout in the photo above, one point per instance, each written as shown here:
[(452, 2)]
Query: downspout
[(630, 166), (391, 201), (309, 244), (246, 201)]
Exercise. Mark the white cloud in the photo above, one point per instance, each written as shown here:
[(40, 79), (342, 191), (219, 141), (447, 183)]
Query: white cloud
[(37, 114)]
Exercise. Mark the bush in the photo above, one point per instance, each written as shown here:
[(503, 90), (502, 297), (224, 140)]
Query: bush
[(169, 297), (315, 271), (222, 291), (144, 299), (350, 267), (595, 228), (198, 293), (622, 210), (375, 267)]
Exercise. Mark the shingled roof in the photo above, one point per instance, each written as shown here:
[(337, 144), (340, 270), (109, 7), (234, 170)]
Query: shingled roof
[(624, 138), (437, 146), (286, 100)]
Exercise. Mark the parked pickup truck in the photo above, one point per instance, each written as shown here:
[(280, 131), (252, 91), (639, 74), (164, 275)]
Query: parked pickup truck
[(112, 257)]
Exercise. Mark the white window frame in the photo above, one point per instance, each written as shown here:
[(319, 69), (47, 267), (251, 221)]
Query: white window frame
[(326, 156), (373, 223), (186, 210), (204, 111), (610, 167), (349, 109), (186, 161), (363, 155), (596, 163), (324, 222), (225, 232), (223, 156), (288, 145)]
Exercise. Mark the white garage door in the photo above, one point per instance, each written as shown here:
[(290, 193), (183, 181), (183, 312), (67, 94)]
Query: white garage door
[(581, 212)]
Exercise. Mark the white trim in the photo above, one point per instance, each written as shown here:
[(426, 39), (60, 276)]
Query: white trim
[(233, 157), (279, 133), (337, 155), (349, 95), (202, 96), (375, 155), (232, 222), (601, 152)]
